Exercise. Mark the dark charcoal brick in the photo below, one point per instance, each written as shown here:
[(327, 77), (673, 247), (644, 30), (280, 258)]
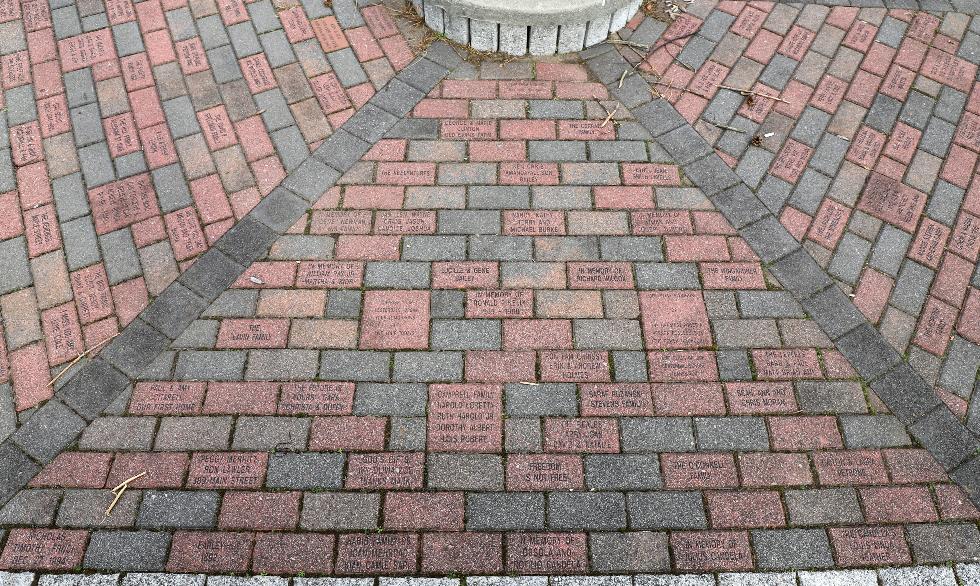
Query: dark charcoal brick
[(792, 549), (248, 241), (587, 510), (867, 351), (945, 437), (340, 510), (939, 544), (138, 345), (622, 472), (666, 510), (826, 506), (211, 274), (93, 388), (18, 471), (629, 552), (905, 393), (799, 273), (341, 150), (305, 471), (501, 511), (128, 551), (172, 509), (46, 433)]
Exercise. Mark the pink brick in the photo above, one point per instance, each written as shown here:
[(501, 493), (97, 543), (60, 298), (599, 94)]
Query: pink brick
[(74, 470), (935, 326), (511, 303), (528, 130), (86, 49), (786, 363), (535, 472), (362, 41), (218, 131), (655, 223), (620, 197), (469, 88), (469, 129), (348, 433), (41, 230), (259, 75), (547, 553), (574, 366), (62, 333), (186, 235), (829, 223), (355, 247), (539, 334), (767, 469), (791, 161), (600, 275), (167, 398), (952, 280), (872, 294), (745, 510), (688, 399), (702, 470), (493, 366), (616, 399), (850, 467), (395, 320), (497, 151), (958, 166), (268, 511), (44, 549), (528, 173), (231, 552), (805, 433), (905, 504), (522, 89), (828, 95), (30, 375), (683, 365), (373, 197), (711, 550), (763, 46), (241, 398), (696, 248), (373, 554), (650, 174), (965, 240), (163, 470), (158, 146), (949, 70), (969, 324), (434, 511), (232, 470)]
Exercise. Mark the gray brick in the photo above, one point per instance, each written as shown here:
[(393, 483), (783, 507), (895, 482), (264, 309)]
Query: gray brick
[(774, 192), (224, 64), (917, 110), (432, 248), (79, 86), (698, 48), (562, 198), (127, 551), (829, 154), (587, 510), (428, 367), (778, 71), (177, 434), (617, 150), (556, 109), (731, 434), (17, 270), (917, 575), (541, 399), (397, 97), (823, 506), (810, 191), (347, 68), (799, 273), (337, 510), (66, 22), (556, 150), (932, 544), (275, 111), (96, 164), (181, 24), (891, 32), (734, 365), (960, 370), (944, 436), (622, 472), (128, 39), (937, 137), (271, 433), (171, 188), (831, 397), (282, 364), (792, 549), (160, 579), (883, 113), (666, 510), (407, 434), (221, 365), (501, 511), (180, 117), (22, 470), (874, 431), (630, 366), (889, 250), (51, 429), (945, 202), (667, 276), (402, 275), (465, 472), (607, 334), (309, 178), (753, 166), (684, 144), (291, 147), (390, 399), (628, 553), (446, 304), (500, 248), (341, 150), (304, 471), (465, 335), (87, 124), (771, 304), (848, 260), (31, 507), (173, 509), (469, 222), (119, 433), (657, 434)]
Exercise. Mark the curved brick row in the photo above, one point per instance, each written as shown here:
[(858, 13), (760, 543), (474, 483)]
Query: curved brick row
[(139, 133), (96, 383), (542, 28), (907, 395)]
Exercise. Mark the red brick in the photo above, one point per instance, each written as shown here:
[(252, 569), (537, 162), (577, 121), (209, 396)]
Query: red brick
[(121, 134), (317, 398), (293, 554), (696, 248), (266, 511), (357, 247), (253, 333), (687, 399), (86, 49), (193, 551), (124, 202), (536, 472), (43, 549), (526, 130), (935, 326), (387, 149), (949, 70), (760, 397), (492, 366), (241, 398), (41, 230), (469, 88), (762, 469), (348, 433), (745, 509), (786, 363), (699, 470), (914, 466), (965, 240), (75, 470), (969, 325), (800, 433), (674, 320), (594, 435), (216, 470), (324, 274), (574, 366), (433, 511), (952, 279), (905, 504), (29, 374), (167, 398), (469, 130), (387, 470), (616, 399), (62, 333), (954, 504), (827, 96), (711, 550), (406, 173), (683, 365), (533, 334), (732, 275), (163, 469), (655, 174), (620, 197), (869, 546), (656, 223), (850, 467), (362, 41), (395, 320), (462, 553), (547, 553), (930, 241), (405, 222), (499, 303), (373, 197), (377, 553), (958, 166)]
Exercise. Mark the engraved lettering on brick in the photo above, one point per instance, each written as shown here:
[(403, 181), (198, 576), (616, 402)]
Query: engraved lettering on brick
[(91, 288), (41, 229), (546, 553), (594, 435), (786, 363), (616, 399), (330, 93), (699, 470), (253, 333), (890, 200), (316, 398), (732, 275), (395, 319), (464, 418), (469, 129), (385, 470), (600, 275), (674, 319), (574, 366), (791, 161), (44, 549), (330, 274), (217, 470), (865, 147), (850, 467), (656, 223), (949, 70), (375, 553), (86, 49), (528, 174), (405, 222), (929, 243), (760, 397), (966, 237), (544, 472), (464, 275), (341, 222), (499, 303), (62, 333), (534, 223), (122, 203), (651, 174), (167, 398), (935, 326), (186, 234), (711, 550), (867, 546), (683, 365)]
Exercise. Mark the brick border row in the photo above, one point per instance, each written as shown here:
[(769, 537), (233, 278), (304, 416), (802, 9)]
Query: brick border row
[(928, 420), (56, 424), (966, 574), (963, 6)]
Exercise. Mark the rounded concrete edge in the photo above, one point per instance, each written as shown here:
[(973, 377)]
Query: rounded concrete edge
[(486, 26)]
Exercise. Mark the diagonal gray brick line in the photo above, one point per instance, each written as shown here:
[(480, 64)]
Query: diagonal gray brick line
[(906, 394), (59, 422)]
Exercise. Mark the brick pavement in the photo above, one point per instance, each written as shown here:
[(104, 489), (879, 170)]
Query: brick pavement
[(514, 325)]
